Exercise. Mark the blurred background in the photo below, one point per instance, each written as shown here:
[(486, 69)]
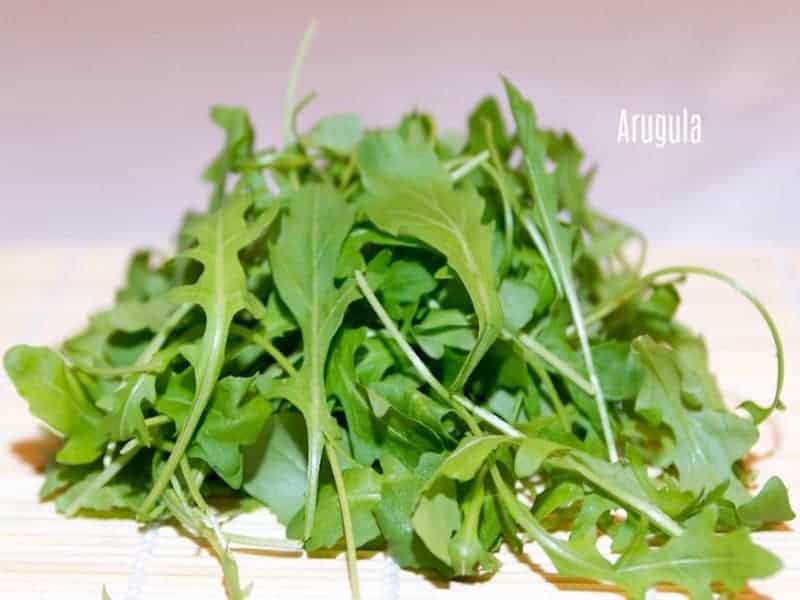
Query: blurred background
[(103, 109)]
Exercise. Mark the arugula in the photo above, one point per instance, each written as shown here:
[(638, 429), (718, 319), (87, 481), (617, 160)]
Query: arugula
[(440, 348), (557, 239), (708, 441), (275, 465), (410, 194), (221, 291), (343, 381), (304, 261), (233, 418), (55, 396)]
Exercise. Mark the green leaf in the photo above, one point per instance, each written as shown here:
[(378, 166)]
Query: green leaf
[(405, 282), (399, 492), (571, 559), (233, 419), (410, 194), (125, 492), (557, 238), (400, 393), (698, 385), (55, 396), (58, 477), (608, 242), (275, 465), (618, 369), (342, 381), (771, 505), (444, 328), (230, 423), (519, 300), (363, 488), (438, 517), (135, 315), (707, 441), (488, 111), (531, 455), (470, 455), (144, 281), (338, 133), (697, 559), (238, 146), (304, 262), (221, 291), (126, 419)]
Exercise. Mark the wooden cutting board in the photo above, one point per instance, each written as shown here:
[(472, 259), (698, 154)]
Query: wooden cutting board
[(48, 291)]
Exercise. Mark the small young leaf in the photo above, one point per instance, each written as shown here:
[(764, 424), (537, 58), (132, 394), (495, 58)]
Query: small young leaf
[(771, 505), (338, 133)]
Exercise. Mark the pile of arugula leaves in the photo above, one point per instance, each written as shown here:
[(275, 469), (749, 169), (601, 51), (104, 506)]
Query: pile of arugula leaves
[(429, 345)]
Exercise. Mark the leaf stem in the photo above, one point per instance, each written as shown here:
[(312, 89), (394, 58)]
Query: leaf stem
[(188, 519), (294, 76), (459, 401), (191, 485), (546, 204), (641, 505), (558, 551), (602, 409), (267, 346), (391, 327), (253, 541), (347, 523), (495, 171), (658, 517), (157, 421), (650, 278), (551, 392), (158, 340), (207, 370), (529, 345), (538, 241), (469, 165)]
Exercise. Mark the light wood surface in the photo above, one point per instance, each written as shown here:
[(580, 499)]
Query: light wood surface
[(48, 291)]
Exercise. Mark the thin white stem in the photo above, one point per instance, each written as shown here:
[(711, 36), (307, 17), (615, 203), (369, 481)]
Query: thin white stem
[(390, 326), (530, 344), (575, 308), (541, 247), (347, 523), (468, 166), (423, 370), (642, 505), (489, 417), (253, 541), (294, 76)]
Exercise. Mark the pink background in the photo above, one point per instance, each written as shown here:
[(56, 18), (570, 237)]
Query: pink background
[(103, 107)]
